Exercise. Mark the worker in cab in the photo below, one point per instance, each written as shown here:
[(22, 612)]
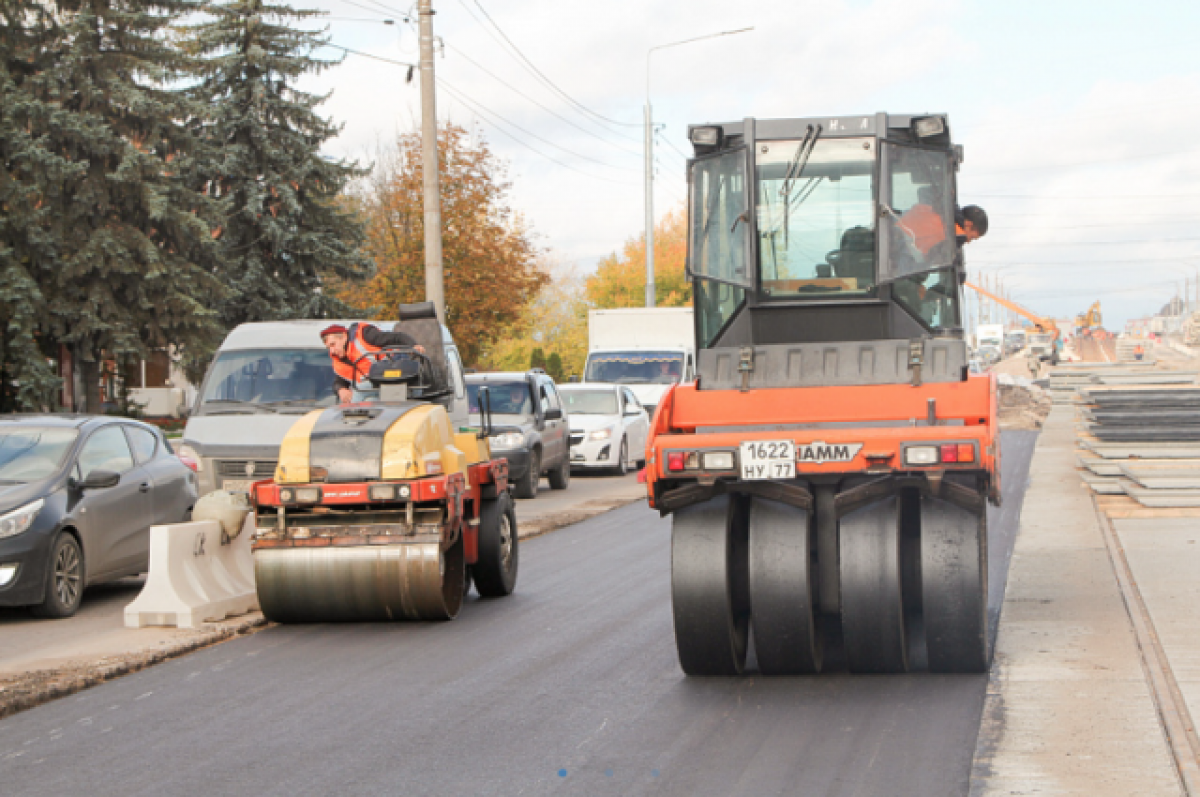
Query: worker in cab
[(348, 345), (970, 224), (926, 228)]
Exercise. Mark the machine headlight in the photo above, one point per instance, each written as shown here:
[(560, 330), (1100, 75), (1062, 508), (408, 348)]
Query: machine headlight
[(718, 460), (508, 440), (19, 520), (921, 455), (600, 434), (405, 491), (308, 495), (6, 574), (287, 496), (383, 492), (189, 456)]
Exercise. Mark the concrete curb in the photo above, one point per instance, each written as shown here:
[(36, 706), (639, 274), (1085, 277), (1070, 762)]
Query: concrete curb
[(32, 689)]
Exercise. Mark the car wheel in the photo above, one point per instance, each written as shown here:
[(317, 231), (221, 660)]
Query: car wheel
[(560, 477), (623, 459), (527, 485), (64, 582), (495, 573)]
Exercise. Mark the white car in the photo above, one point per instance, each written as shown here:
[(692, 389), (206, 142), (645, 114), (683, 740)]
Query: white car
[(609, 426)]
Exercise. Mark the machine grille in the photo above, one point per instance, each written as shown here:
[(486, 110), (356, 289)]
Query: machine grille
[(238, 468)]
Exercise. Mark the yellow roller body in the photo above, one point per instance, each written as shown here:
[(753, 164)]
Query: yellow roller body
[(360, 583), (293, 452), (422, 437)]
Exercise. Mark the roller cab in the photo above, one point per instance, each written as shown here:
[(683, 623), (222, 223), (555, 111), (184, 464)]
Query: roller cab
[(388, 508), (829, 470)]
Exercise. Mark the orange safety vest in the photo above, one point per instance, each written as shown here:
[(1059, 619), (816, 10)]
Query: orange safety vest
[(356, 347), (924, 226)]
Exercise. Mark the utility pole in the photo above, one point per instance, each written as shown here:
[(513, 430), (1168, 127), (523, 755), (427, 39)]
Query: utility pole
[(649, 144), (434, 288)]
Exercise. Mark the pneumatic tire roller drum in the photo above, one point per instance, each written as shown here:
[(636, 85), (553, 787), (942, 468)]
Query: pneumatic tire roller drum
[(783, 589), (874, 620), (954, 587), (361, 583), (709, 591)]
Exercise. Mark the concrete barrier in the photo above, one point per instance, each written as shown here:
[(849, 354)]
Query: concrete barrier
[(197, 575)]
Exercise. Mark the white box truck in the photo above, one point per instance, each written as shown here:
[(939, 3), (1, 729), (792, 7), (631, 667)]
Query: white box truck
[(647, 348)]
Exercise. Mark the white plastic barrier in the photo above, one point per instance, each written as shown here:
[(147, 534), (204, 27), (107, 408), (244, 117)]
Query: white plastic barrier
[(195, 577)]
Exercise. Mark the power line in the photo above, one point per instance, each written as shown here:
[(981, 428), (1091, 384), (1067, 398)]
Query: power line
[(553, 113), (1096, 243), (485, 112), (541, 76), (1148, 156)]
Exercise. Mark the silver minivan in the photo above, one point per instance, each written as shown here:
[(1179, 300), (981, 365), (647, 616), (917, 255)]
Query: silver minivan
[(263, 378)]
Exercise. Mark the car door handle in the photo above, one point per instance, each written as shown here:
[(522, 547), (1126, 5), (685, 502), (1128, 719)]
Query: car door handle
[(144, 488)]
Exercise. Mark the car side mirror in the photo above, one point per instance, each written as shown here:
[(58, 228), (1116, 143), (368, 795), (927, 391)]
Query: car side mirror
[(632, 410), (553, 414), (99, 480)]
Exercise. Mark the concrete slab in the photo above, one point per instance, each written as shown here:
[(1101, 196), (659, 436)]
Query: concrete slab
[(1163, 478), (1165, 558), (1068, 709), (1164, 499), (1102, 485)]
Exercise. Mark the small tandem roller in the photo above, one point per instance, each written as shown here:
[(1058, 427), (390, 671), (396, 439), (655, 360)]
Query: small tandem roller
[(829, 471), (385, 509)]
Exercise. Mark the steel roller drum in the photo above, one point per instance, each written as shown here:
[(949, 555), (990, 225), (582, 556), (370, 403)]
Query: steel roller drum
[(360, 582)]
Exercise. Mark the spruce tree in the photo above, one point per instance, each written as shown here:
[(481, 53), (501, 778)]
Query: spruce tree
[(135, 259), (284, 231), (27, 380)]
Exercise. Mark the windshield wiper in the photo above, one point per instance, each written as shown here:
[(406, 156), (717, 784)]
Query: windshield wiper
[(239, 401)]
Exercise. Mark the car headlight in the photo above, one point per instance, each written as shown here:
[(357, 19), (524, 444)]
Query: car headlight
[(600, 434), (508, 440), (21, 519), (186, 452)]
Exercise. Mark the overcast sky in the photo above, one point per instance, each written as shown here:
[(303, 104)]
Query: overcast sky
[(1079, 119)]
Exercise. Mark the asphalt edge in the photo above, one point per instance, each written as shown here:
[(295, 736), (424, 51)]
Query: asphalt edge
[(1176, 721), (95, 676)]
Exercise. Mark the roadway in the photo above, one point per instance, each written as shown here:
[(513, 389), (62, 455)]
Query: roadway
[(571, 685)]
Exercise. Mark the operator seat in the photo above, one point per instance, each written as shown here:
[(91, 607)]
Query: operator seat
[(857, 259), (420, 321)]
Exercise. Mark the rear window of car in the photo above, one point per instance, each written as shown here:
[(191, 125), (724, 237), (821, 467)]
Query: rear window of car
[(590, 402)]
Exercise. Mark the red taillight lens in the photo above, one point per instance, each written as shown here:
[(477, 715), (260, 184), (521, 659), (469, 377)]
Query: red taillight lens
[(675, 460), (950, 453), (191, 463), (966, 452)]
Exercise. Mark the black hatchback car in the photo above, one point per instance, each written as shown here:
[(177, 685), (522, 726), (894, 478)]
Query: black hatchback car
[(78, 495)]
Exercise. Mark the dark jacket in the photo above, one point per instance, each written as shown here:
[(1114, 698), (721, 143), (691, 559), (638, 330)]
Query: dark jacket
[(374, 336)]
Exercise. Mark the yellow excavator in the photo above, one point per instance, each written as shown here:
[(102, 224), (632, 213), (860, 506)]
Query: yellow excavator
[(1091, 319), (1046, 334)]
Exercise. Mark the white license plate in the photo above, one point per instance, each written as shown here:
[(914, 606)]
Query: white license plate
[(768, 459), (237, 485)]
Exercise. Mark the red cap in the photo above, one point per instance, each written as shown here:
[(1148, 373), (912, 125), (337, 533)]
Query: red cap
[(334, 329)]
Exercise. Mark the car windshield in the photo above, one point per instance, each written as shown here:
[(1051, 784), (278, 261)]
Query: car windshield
[(817, 230), (635, 367), (29, 453), (589, 402), (507, 398), (240, 380)]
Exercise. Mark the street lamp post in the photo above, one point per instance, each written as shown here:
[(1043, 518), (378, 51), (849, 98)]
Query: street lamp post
[(649, 155)]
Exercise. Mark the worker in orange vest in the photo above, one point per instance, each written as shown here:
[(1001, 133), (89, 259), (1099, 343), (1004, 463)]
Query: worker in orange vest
[(926, 228), (347, 346), (1138, 352)]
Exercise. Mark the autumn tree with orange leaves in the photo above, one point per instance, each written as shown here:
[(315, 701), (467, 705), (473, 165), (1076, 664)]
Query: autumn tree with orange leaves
[(491, 265), (620, 279)]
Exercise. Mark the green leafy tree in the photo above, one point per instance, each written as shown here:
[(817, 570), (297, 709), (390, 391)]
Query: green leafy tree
[(537, 359), (134, 261), (27, 37), (554, 366), (283, 232)]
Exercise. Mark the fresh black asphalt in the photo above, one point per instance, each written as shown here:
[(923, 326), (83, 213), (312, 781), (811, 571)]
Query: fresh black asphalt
[(569, 686)]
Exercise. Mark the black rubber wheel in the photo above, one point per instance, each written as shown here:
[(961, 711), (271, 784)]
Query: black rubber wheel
[(560, 477), (874, 623), (710, 596), (622, 459), (527, 485), (783, 589), (64, 581), (954, 587), (495, 574)]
